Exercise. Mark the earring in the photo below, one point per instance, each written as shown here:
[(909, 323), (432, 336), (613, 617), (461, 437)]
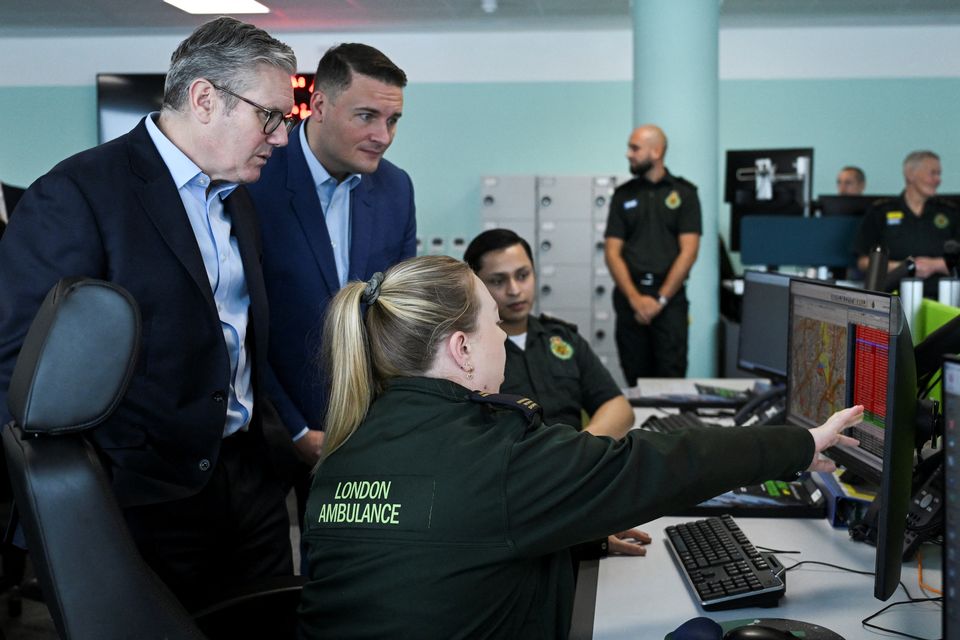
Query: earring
[(468, 369)]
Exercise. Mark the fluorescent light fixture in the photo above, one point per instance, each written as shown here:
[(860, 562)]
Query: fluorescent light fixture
[(219, 7)]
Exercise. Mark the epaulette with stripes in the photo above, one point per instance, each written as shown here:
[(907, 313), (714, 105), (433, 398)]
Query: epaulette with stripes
[(528, 407)]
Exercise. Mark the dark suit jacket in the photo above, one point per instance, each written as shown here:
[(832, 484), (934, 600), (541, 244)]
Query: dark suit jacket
[(113, 212), (299, 267)]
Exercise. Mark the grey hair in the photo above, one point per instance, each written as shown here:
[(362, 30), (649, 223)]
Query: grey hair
[(226, 52), (914, 158)]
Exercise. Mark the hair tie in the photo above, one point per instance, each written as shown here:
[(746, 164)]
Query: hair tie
[(372, 292)]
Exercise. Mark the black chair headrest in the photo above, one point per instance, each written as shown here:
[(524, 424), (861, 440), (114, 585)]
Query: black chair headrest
[(77, 357)]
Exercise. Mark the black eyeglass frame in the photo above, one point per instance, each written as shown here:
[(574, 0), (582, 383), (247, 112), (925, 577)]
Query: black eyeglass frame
[(274, 117)]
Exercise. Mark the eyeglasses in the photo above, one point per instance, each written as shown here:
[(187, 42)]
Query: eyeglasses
[(274, 117)]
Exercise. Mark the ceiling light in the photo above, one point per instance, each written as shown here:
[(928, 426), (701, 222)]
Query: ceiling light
[(219, 7), (488, 6)]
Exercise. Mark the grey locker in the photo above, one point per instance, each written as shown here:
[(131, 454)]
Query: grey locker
[(563, 241), (508, 197), (563, 285), (601, 191), (509, 202), (563, 198)]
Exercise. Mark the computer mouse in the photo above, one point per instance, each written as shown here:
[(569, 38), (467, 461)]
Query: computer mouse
[(757, 632)]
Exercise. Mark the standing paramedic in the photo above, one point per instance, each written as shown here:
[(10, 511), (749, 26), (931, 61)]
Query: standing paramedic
[(652, 239), (162, 211)]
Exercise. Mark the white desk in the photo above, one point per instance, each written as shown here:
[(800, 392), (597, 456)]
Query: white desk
[(659, 386), (646, 597)]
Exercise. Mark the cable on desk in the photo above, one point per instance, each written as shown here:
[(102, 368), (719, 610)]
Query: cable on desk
[(866, 621), (776, 551), (924, 587)]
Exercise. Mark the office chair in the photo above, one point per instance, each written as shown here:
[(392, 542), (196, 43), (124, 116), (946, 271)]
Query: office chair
[(72, 371)]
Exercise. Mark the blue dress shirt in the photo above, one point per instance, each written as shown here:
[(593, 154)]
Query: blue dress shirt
[(335, 203), (221, 258)]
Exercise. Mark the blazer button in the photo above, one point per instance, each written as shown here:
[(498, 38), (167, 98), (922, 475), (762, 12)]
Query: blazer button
[(204, 465), (218, 397)]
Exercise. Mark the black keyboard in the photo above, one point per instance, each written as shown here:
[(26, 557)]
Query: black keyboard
[(722, 568), (673, 422)]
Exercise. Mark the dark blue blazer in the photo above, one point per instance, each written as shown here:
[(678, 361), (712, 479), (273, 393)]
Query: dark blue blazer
[(113, 212), (299, 267)]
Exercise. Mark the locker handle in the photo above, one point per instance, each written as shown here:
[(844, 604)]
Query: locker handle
[(488, 201), (545, 289), (601, 334), (546, 245), (601, 289)]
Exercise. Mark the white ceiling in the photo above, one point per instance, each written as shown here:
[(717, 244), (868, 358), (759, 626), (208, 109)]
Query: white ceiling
[(90, 17)]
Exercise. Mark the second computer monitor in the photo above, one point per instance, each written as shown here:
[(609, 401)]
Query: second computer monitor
[(764, 320), (951, 498)]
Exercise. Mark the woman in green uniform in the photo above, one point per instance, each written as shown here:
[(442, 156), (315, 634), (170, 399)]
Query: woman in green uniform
[(444, 510)]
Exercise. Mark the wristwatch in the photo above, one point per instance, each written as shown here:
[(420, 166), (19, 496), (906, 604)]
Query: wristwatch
[(662, 300)]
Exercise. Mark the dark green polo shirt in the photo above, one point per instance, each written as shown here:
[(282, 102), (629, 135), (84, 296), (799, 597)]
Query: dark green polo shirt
[(559, 371), (891, 224), (649, 217)]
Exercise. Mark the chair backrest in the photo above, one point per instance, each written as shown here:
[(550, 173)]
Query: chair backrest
[(72, 371)]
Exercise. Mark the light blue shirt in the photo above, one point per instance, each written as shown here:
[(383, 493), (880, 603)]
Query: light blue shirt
[(335, 204), (221, 258)]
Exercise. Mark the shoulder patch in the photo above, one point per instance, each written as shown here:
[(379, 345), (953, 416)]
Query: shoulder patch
[(685, 182), (526, 406), (546, 317)]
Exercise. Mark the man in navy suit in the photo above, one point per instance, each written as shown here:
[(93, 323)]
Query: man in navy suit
[(161, 211), (331, 210)]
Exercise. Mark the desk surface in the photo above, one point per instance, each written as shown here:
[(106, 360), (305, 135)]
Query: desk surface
[(646, 597)]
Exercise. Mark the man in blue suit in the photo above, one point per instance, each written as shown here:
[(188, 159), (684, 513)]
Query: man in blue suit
[(161, 211), (331, 210)]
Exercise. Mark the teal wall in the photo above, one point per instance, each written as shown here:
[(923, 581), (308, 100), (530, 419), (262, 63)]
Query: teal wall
[(453, 133)]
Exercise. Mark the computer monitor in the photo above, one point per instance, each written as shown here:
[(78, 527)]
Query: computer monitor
[(764, 320), (951, 498), (847, 347), (830, 205), (767, 182), (123, 99)]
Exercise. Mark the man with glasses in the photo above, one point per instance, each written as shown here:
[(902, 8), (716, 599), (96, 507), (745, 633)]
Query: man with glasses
[(331, 210), (162, 211)]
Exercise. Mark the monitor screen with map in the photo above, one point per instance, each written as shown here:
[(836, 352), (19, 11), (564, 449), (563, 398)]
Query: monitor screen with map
[(847, 347)]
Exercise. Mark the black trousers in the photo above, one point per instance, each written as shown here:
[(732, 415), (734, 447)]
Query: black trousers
[(657, 350), (234, 532)]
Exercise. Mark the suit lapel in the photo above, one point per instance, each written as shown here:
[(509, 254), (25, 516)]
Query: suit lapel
[(306, 207), (362, 223), (243, 224), (163, 206)]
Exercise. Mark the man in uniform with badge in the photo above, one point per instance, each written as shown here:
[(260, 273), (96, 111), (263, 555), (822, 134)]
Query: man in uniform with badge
[(547, 360), (652, 239), (916, 224)]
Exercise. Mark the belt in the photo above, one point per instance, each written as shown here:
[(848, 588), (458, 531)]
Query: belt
[(648, 279)]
